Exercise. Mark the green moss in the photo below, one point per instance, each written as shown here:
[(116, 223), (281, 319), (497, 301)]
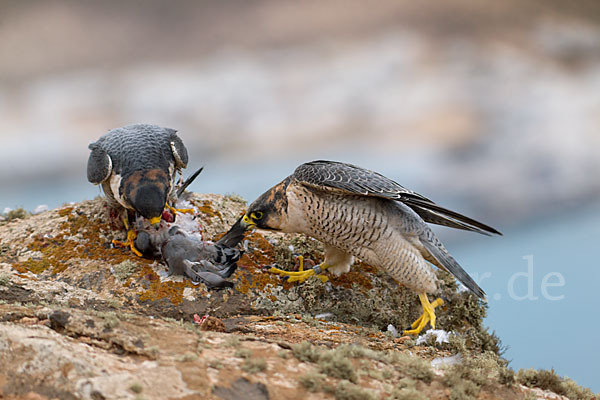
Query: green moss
[(375, 374), (243, 353), (356, 351), (4, 279), (464, 390), (575, 392), (464, 313), (216, 364), (387, 374), (407, 383), (337, 365), (111, 320), (475, 371), (19, 213), (549, 380), (233, 341), (136, 388), (236, 198), (254, 365), (283, 354), (411, 366), (349, 391), (312, 381), (408, 394), (154, 350), (186, 357), (124, 270), (306, 352), (543, 379)]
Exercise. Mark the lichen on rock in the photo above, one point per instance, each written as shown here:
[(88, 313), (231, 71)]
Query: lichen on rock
[(80, 318)]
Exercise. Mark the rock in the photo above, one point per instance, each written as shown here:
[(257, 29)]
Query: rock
[(72, 329), (242, 389)]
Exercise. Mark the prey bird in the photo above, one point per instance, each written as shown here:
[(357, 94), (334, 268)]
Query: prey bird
[(137, 166), (360, 213)]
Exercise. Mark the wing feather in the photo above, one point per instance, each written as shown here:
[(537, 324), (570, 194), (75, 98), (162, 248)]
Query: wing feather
[(355, 180), (99, 166)]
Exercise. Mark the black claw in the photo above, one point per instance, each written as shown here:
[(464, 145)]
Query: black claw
[(268, 267)]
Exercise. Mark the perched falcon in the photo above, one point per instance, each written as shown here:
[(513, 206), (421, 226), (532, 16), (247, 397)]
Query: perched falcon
[(137, 165), (360, 213)]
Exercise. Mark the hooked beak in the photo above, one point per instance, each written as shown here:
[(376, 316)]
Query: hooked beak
[(155, 222), (236, 232), (247, 222)]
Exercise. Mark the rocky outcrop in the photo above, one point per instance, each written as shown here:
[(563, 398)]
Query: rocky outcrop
[(81, 319)]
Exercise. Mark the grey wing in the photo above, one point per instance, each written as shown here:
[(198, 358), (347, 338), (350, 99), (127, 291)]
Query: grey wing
[(355, 180), (179, 151), (99, 166)]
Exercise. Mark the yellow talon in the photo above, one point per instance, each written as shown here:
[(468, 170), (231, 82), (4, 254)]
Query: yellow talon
[(428, 315), (301, 275), (131, 235), (180, 210)]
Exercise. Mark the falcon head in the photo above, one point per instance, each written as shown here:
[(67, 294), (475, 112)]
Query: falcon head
[(269, 211), (147, 192)]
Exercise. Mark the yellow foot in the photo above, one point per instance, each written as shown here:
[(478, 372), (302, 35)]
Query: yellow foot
[(301, 275), (130, 242), (428, 315), (180, 210)]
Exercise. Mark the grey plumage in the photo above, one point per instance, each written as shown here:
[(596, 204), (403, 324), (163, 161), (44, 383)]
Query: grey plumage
[(137, 165), (353, 179), (199, 260), (135, 147)]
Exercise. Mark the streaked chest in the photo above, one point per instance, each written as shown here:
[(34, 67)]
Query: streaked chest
[(345, 221)]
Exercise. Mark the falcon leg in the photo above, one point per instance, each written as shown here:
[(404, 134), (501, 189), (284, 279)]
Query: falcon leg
[(301, 275), (428, 315), (180, 210), (131, 235)]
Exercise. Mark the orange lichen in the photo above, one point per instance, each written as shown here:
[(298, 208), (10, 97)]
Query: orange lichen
[(254, 280), (58, 251), (207, 209), (63, 212), (162, 290), (33, 265), (354, 276)]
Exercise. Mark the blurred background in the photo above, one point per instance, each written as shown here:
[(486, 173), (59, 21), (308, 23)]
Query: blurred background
[(489, 108)]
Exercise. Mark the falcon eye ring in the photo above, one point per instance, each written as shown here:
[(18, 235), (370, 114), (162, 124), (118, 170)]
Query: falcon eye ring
[(256, 215)]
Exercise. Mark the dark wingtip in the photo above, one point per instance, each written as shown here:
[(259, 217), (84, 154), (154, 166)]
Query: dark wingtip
[(188, 181), (235, 234)]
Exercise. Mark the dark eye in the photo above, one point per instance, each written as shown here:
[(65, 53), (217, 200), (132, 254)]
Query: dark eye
[(256, 215)]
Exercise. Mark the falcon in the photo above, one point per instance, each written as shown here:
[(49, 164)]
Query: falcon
[(137, 166), (360, 213)]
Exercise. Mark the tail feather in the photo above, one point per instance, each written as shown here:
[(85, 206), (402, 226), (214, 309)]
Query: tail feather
[(441, 255)]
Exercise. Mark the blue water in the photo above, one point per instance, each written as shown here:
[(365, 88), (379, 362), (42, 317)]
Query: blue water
[(552, 326), (556, 328)]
